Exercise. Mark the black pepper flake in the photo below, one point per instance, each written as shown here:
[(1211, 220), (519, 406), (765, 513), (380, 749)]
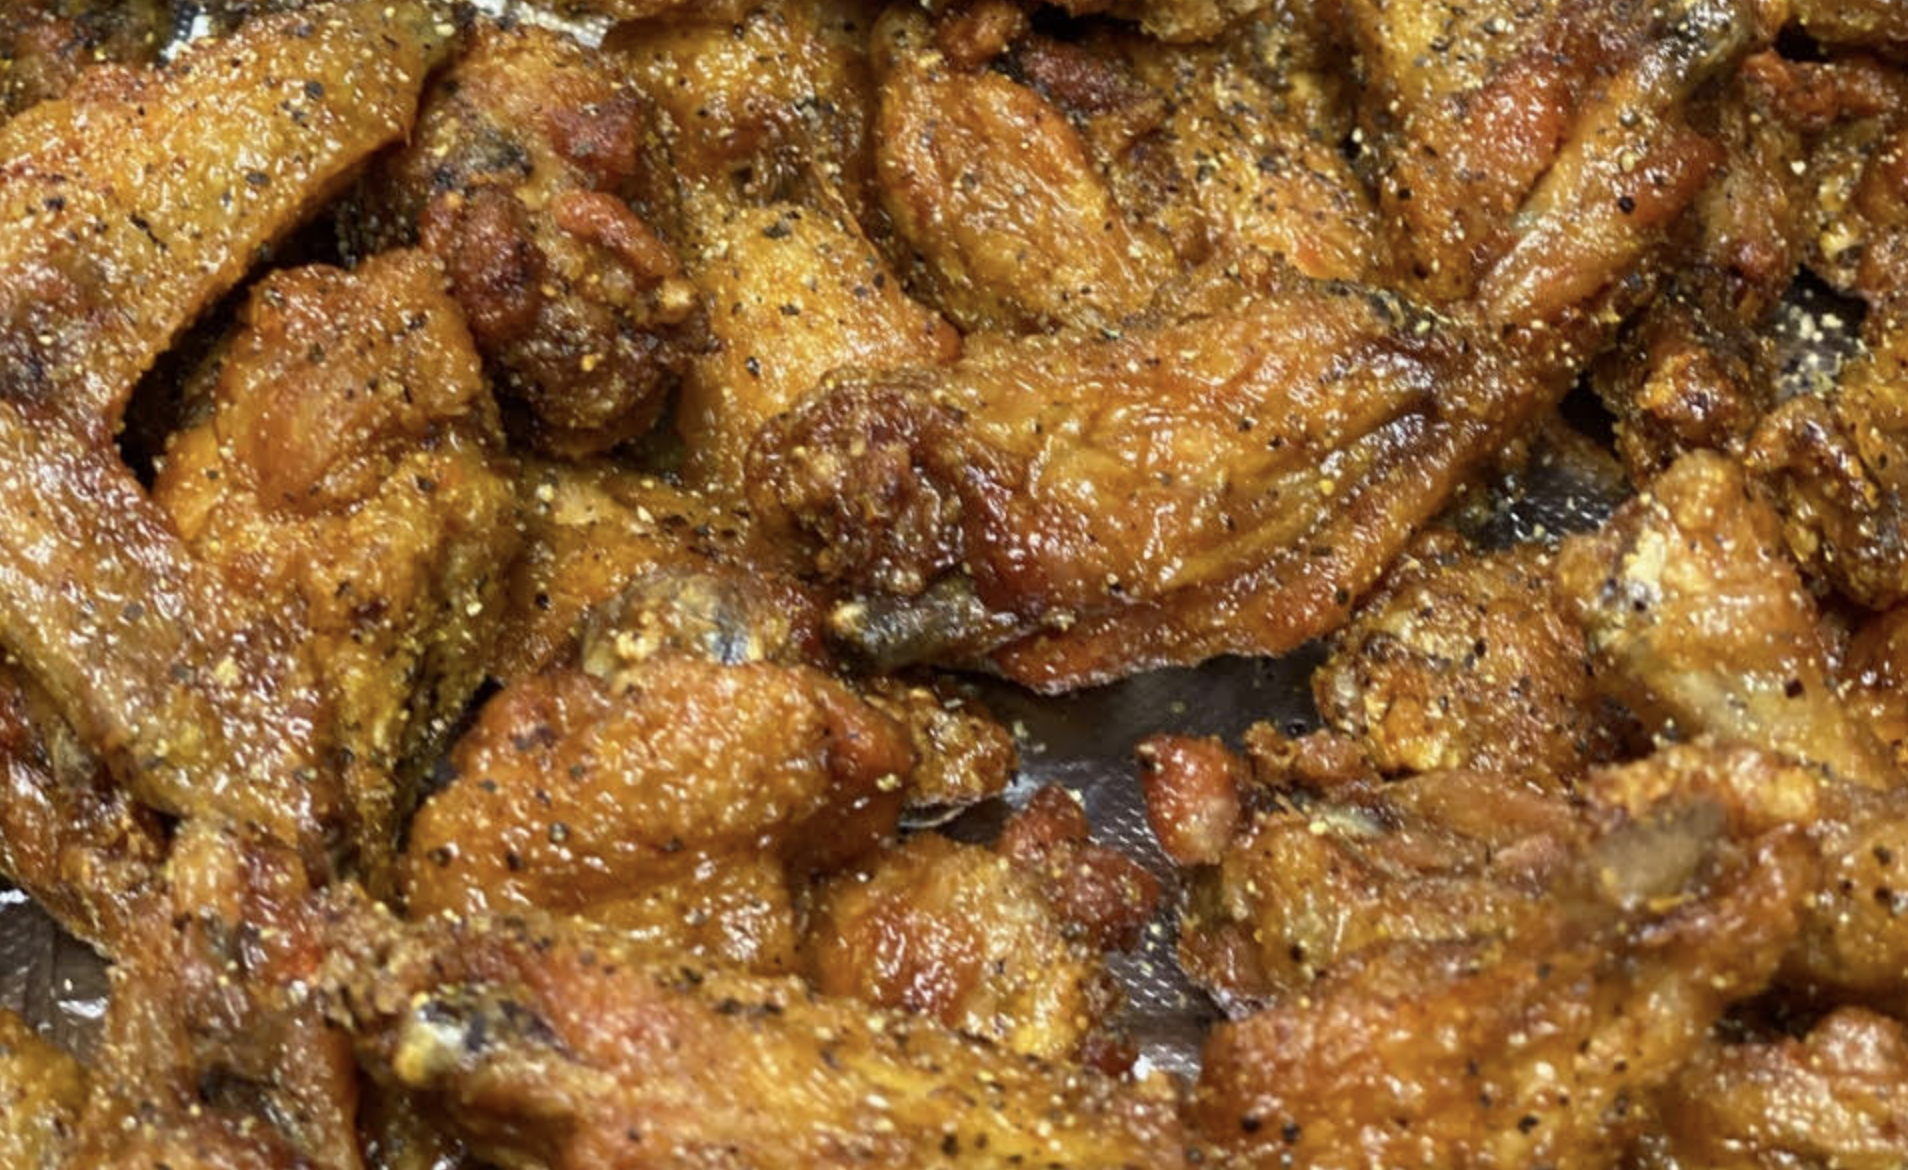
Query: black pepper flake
[(753, 365), (1625, 204), (258, 179), (1526, 1123)]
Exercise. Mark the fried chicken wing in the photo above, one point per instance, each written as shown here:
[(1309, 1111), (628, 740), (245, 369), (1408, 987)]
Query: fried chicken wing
[(1308, 884), (795, 294), (1008, 240), (1465, 660), (127, 206), (1531, 153), (967, 936), (1835, 1097), (202, 702), (565, 1046), (573, 791), (1697, 621), (215, 1051), (1833, 465), (42, 1090), (763, 103), (46, 44), (1226, 477), (1230, 146), (351, 459), (537, 175), (1540, 1048)]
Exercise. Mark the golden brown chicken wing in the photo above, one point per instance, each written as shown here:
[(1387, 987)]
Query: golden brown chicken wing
[(1539, 1047), (1835, 1097), (1532, 154), (564, 1046), (537, 175), (1833, 464), (1697, 621), (1465, 660), (350, 464), (978, 939), (1226, 477), (596, 796), (1008, 240)]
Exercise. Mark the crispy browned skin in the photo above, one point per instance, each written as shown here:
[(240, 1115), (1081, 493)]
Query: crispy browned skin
[(1226, 477), (795, 293), (1854, 939), (1308, 883), (41, 1092), (1004, 943), (574, 792), (962, 755), (1017, 239), (215, 1051), (1530, 153), (536, 174), (959, 934), (46, 44), (202, 702), (69, 836), (1698, 622), (1834, 466), (597, 534), (1834, 1097), (1537, 1047), (311, 480), (1225, 146), (1464, 660), (131, 203), (763, 102), (565, 1046)]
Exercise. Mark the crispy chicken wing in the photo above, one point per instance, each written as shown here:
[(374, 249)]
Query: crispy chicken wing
[(350, 458), (1835, 1097), (537, 175), (1834, 465), (1465, 660), (577, 794), (972, 937), (1531, 153), (1308, 883), (1225, 477), (1697, 621), (1538, 1047), (560, 1045), (1008, 240), (127, 206)]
